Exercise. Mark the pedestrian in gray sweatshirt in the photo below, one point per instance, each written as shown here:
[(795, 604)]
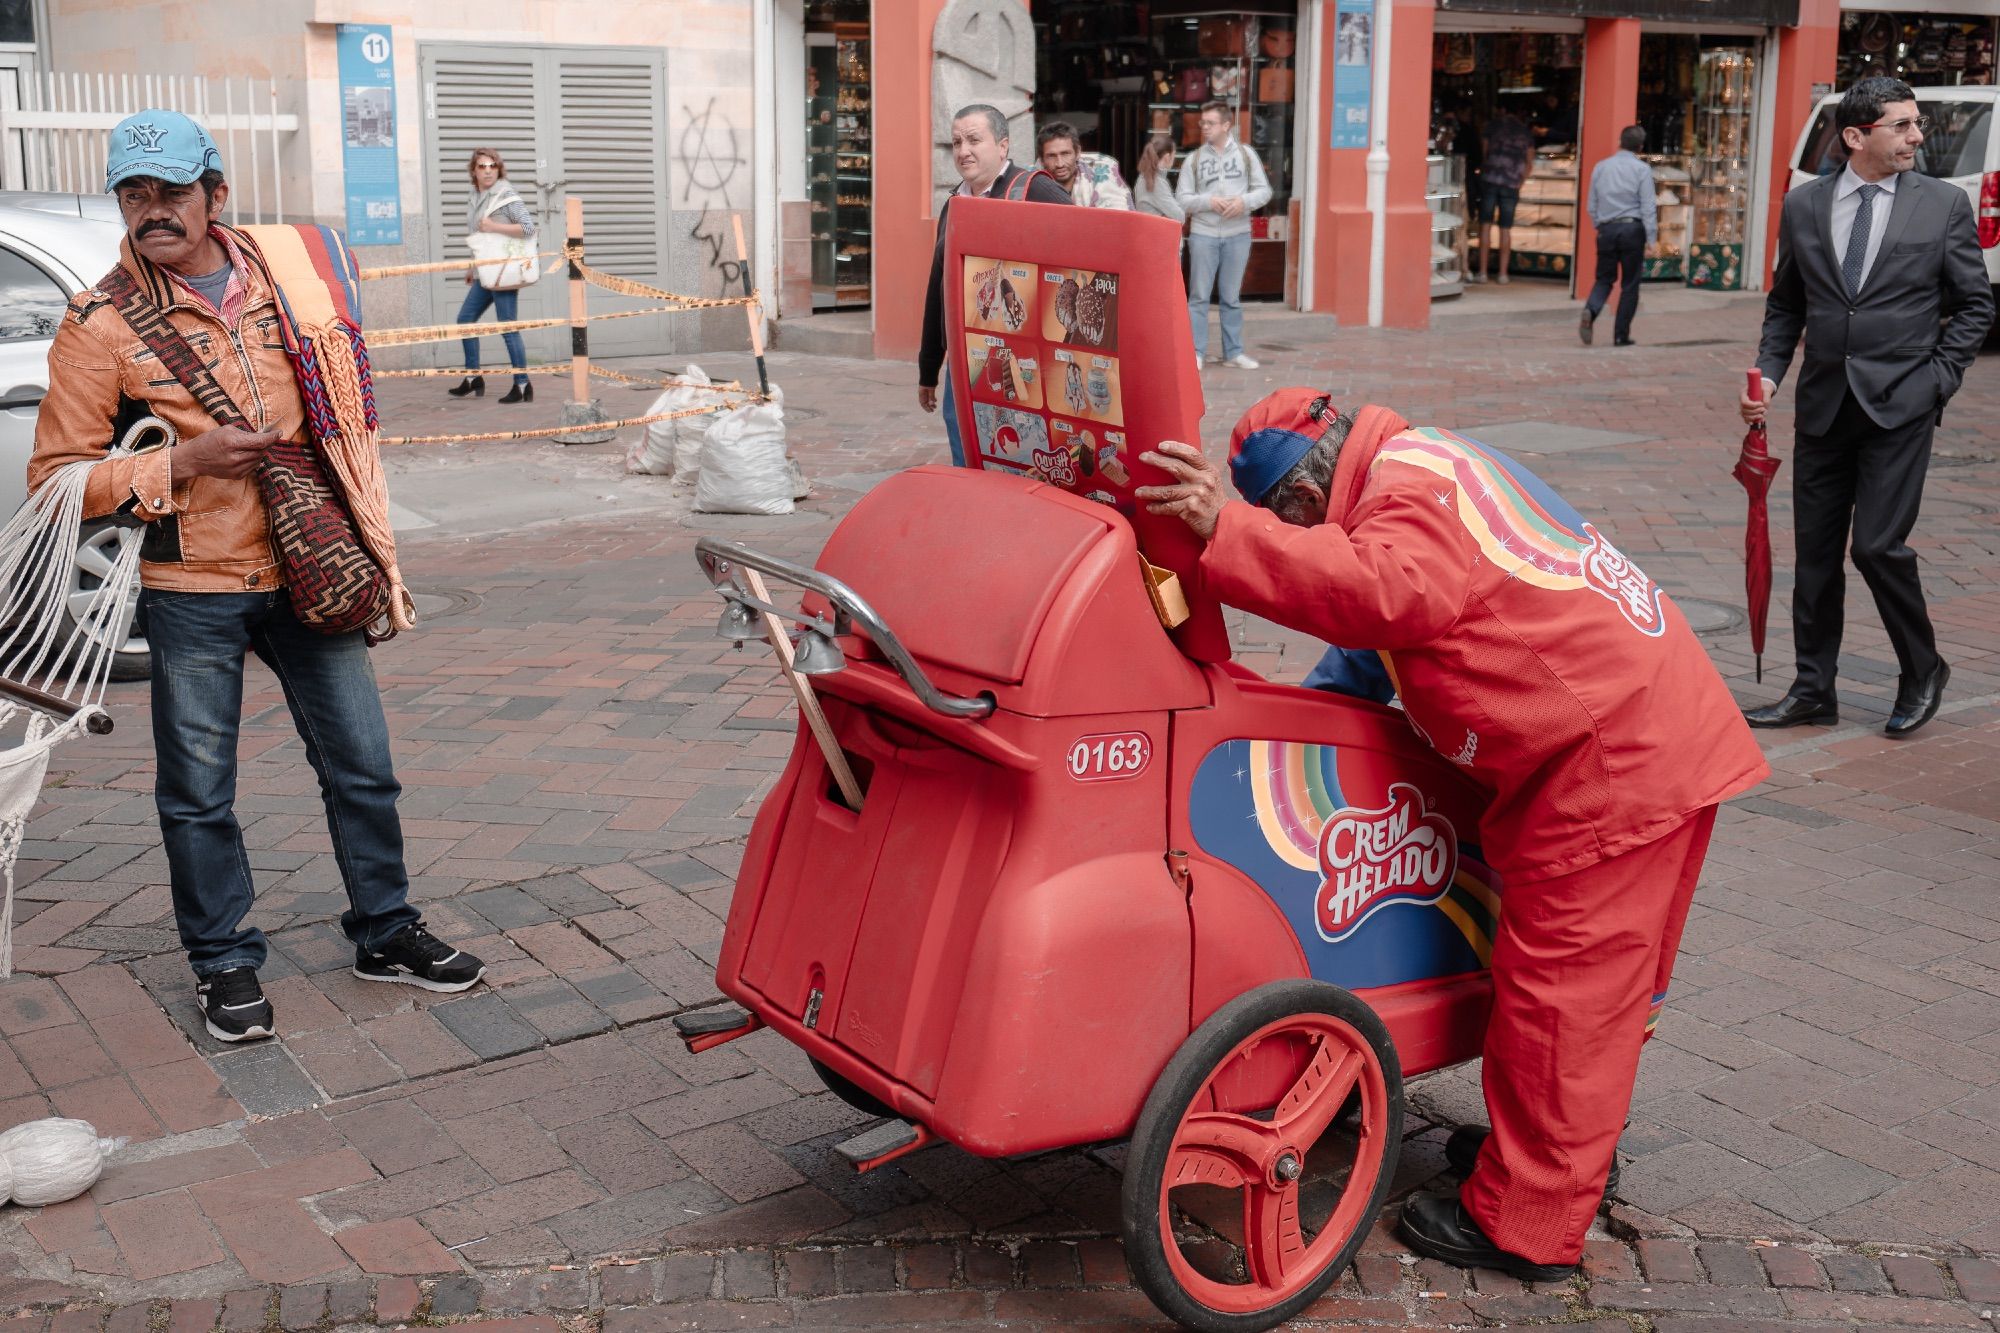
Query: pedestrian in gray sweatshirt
[(1221, 185)]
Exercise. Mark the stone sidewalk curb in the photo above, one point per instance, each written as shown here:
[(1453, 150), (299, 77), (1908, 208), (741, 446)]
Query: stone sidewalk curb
[(1671, 1285)]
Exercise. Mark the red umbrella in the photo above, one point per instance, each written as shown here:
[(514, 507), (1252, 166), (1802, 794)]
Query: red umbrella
[(1754, 468)]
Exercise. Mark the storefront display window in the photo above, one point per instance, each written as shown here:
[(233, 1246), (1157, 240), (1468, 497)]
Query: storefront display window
[(839, 150), (1535, 77), (1121, 71), (1923, 50), (1697, 105)]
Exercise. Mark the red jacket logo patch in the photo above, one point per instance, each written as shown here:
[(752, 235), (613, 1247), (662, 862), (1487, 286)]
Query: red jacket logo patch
[(1610, 574), (1371, 858)]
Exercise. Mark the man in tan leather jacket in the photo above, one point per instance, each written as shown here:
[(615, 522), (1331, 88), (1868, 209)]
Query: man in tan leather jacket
[(212, 588)]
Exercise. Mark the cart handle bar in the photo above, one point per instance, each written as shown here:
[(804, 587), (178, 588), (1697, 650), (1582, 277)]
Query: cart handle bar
[(851, 613)]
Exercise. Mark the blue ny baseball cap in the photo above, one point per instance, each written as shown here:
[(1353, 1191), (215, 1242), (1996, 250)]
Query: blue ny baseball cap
[(1274, 435), (165, 144)]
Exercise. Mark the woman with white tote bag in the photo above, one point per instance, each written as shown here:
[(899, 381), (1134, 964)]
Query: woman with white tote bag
[(500, 229)]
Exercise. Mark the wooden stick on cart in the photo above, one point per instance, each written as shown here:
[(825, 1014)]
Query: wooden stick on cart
[(836, 758)]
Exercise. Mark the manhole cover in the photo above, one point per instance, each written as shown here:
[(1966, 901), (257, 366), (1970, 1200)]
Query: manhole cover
[(1954, 509), (1941, 459), (1706, 617), (437, 603)]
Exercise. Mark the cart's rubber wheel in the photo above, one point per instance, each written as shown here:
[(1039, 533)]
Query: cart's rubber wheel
[(1309, 1186), (845, 1089)]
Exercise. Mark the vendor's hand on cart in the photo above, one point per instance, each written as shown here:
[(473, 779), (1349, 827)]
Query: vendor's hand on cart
[(927, 397), (226, 451), (1196, 497), (1754, 410)]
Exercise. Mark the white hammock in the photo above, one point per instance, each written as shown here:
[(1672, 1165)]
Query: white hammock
[(54, 674)]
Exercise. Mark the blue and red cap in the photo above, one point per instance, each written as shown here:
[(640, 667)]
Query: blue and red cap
[(1274, 435)]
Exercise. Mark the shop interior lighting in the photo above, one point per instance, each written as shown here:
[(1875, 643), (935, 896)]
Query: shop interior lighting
[(1525, 88)]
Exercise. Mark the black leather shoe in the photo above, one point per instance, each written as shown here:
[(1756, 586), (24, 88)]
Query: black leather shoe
[(1438, 1227), (471, 386), (1586, 328), (1792, 711), (1461, 1150), (520, 393), (1621, 342), (1920, 705)]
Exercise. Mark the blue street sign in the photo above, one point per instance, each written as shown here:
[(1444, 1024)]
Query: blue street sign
[(1353, 71), (368, 135)]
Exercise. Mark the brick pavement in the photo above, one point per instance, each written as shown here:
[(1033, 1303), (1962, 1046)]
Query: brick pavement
[(1813, 1140)]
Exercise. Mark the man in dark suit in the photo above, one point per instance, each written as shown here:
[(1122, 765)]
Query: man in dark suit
[(1879, 267)]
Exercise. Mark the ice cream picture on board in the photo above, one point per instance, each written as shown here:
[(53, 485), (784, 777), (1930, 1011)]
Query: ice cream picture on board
[(1043, 372)]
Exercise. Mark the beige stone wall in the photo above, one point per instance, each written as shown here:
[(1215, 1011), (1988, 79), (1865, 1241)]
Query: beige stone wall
[(707, 45)]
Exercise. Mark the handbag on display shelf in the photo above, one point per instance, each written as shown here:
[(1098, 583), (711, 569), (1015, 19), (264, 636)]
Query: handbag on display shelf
[(1225, 83), (1274, 83), (506, 263), (1278, 43), (1194, 84), (1220, 37)]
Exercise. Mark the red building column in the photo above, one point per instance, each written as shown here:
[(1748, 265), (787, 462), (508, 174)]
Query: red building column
[(1343, 239), (904, 226), (1807, 54), (1610, 103)]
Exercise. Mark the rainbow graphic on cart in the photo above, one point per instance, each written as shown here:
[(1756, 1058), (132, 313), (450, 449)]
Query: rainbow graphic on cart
[(1369, 868)]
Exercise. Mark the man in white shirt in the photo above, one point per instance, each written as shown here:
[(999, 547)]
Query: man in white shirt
[(1222, 184)]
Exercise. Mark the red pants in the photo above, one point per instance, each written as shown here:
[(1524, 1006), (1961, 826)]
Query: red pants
[(1580, 968)]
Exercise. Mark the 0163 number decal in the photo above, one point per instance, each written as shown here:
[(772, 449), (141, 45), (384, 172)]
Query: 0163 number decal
[(1108, 757)]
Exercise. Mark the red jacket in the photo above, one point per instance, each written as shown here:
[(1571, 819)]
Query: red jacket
[(1526, 648)]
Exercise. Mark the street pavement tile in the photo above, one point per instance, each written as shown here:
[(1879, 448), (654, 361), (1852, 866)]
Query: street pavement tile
[(185, 1095), (110, 1105), (161, 1235), (507, 1143), (397, 1246), (395, 1136), (487, 1025), (266, 1080), (554, 1008), (131, 1180)]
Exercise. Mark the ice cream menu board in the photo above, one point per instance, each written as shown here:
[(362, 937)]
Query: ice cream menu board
[(1071, 355)]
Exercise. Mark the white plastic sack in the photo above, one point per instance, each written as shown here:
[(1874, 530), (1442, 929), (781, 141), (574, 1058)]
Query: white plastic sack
[(743, 464), (47, 1161), (672, 446)]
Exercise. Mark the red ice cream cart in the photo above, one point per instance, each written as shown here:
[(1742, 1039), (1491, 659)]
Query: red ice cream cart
[(1070, 877)]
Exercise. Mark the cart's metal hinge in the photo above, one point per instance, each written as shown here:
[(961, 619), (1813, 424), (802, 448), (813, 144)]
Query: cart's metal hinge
[(813, 1001), (1177, 866)]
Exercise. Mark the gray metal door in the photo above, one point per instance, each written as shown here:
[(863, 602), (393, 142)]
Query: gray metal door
[(582, 120)]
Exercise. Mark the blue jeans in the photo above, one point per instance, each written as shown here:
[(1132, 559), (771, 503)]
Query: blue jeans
[(1217, 262), (950, 409), (199, 641), (505, 305)]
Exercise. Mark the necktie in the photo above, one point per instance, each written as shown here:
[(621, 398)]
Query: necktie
[(1857, 240)]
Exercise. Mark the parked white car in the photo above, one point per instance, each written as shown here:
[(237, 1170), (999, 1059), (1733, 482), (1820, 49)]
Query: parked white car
[(51, 247), (1962, 148)]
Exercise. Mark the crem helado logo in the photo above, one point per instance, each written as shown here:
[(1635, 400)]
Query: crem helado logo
[(1372, 858)]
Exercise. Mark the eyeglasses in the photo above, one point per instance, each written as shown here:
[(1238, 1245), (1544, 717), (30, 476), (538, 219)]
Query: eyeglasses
[(1924, 125)]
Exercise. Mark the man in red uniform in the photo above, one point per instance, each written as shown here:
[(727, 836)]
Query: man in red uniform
[(1531, 653)]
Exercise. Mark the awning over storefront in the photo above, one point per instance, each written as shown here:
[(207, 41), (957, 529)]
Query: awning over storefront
[(1764, 13)]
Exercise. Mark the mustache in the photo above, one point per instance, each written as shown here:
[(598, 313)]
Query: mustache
[(167, 225)]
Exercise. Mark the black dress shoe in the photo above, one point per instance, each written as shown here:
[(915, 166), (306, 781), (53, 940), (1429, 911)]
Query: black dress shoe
[(1621, 342), (1586, 328), (1461, 1150), (1438, 1227), (1920, 705), (472, 386), (1792, 711), (520, 393)]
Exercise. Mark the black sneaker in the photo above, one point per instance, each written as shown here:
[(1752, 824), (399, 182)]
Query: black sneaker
[(233, 1005), (416, 957)]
